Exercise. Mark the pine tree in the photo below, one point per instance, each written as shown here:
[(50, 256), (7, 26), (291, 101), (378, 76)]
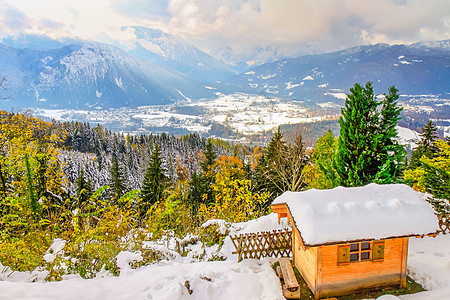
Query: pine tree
[(320, 173), (208, 174), (426, 146), (433, 176), (210, 157), (276, 147), (118, 182), (155, 180), (84, 188), (266, 164), (428, 137), (367, 147), (390, 153), (355, 144), (196, 191)]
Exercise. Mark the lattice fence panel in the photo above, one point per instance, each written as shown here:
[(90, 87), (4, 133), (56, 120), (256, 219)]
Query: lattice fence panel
[(444, 224), (276, 243)]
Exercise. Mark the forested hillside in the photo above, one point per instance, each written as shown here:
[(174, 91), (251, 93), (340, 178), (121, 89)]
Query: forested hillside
[(93, 149)]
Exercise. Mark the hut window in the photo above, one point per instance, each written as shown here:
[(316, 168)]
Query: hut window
[(365, 246), (360, 251), (354, 256)]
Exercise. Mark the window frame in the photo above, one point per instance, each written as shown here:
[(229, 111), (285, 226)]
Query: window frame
[(359, 251), (345, 252)]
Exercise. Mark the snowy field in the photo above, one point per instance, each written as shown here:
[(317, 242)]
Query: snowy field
[(428, 264), (243, 113)]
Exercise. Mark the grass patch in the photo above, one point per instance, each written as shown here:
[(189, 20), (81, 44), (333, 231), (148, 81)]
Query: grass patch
[(412, 287)]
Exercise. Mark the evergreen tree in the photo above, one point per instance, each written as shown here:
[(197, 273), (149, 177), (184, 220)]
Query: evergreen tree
[(367, 150), (390, 154), (319, 174), (196, 191), (118, 182), (355, 145), (208, 174), (265, 168), (426, 146), (428, 137), (433, 176), (210, 157), (84, 188), (155, 180)]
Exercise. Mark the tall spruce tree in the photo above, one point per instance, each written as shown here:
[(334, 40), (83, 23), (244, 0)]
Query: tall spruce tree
[(208, 174), (428, 137), (265, 169), (367, 149), (117, 179), (155, 180), (426, 146), (390, 154), (321, 172), (197, 189), (84, 188), (210, 157)]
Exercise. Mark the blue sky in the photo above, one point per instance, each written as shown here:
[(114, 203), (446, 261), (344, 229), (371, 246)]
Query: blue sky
[(286, 25)]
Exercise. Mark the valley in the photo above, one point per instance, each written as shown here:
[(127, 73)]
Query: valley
[(235, 117), (241, 117)]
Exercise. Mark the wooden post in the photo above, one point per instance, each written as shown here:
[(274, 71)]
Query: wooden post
[(404, 263), (318, 273)]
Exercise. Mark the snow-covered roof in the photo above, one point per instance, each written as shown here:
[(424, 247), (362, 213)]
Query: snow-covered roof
[(359, 213)]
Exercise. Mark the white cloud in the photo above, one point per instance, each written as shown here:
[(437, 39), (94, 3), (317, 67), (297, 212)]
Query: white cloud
[(285, 25)]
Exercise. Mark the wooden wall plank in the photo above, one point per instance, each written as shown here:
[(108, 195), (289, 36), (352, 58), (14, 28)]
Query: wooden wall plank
[(306, 262)]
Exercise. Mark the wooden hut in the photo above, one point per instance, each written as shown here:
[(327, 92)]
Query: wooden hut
[(347, 239)]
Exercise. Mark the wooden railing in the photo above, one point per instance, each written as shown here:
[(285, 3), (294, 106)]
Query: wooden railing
[(276, 243), (444, 224)]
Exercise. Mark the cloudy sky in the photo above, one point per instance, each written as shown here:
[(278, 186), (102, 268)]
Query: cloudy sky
[(286, 25)]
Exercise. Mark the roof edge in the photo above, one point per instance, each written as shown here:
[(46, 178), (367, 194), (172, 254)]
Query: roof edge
[(362, 240)]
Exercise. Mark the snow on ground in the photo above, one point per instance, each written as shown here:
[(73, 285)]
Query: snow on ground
[(408, 137), (59, 114), (428, 264), (249, 279)]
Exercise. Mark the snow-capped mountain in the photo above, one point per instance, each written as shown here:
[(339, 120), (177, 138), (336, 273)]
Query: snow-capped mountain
[(66, 73), (89, 75), (433, 44), (167, 50), (326, 77), (243, 61), (36, 42)]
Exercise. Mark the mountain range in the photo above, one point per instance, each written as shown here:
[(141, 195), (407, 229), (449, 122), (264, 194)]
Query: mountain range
[(160, 68), (90, 75), (417, 69)]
